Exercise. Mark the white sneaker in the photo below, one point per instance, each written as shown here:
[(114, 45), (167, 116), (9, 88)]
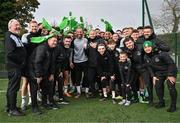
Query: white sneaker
[(127, 103), (122, 102), (23, 106)]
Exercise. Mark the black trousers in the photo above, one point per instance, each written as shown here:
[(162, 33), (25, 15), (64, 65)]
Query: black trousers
[(14, 77), (149, 84), (47, 90), (92, 74), (59, 82), (33, 90), (80, 69), (159, 86), (126, 91), (135, 84)]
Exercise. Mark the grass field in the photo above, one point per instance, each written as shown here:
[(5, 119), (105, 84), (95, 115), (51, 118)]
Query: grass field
[(91, 110)]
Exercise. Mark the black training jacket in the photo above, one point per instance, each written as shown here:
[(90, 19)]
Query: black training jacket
[(161, 64), (41, 62), (15, 53)]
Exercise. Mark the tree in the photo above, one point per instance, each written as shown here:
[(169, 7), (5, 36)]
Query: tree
[(24, 10), (19, 9), (169, 20)]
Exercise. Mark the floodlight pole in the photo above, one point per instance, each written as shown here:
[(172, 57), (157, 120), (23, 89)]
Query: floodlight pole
[(143, 13), (145, 4)]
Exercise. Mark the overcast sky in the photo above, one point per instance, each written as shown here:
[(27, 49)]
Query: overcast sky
[(120, 13)]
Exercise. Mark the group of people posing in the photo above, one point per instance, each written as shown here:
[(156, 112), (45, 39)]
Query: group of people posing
[(125, 64)]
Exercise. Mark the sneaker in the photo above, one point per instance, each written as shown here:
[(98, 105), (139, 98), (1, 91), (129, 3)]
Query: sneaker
[(142, 99), (77, 96), (127, 103), (63, 101), (15, 113), (67, 94), (36, 111), (135, 100), (92, 95), (150, 104), (114, 101), (160, 105), (54, 106), (119, 97), (23, 107), (122, 102), (46, 106), (103, 99), (171, 109)]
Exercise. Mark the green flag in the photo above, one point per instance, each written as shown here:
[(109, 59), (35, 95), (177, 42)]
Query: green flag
[(46, 25), (41, 39), (64, 23), (108, 26), (73, 24)]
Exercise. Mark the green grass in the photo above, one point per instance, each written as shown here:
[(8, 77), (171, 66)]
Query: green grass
[(91, 110)]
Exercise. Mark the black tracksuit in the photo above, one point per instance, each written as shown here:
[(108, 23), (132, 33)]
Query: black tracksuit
[(161, 66), (115, 57), (138, 68), (62, 56), (125, 71), (105, 68), (15, 55), (41, 64), (92, 63)]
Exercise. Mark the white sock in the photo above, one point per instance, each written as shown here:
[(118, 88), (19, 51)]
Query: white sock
[(65, 89), (23, 100), (141, 91), (113, 94), (29, 100), (87, 90), (104, 92), (78, 89)]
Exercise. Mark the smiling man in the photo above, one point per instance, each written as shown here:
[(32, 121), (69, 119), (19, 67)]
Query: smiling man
[(15, 55)]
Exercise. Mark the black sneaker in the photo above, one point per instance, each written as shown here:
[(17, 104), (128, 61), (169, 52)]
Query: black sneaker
[(36, 111), (160, 105), (54, 106), (103, 99), (150, 104), (15, 113), (171, 109), (135, 100), (92, 96), (63, 101), (46, 106)]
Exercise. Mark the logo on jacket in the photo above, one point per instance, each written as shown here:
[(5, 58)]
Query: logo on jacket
[(138, 53), (156, 59), (126, 67)]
